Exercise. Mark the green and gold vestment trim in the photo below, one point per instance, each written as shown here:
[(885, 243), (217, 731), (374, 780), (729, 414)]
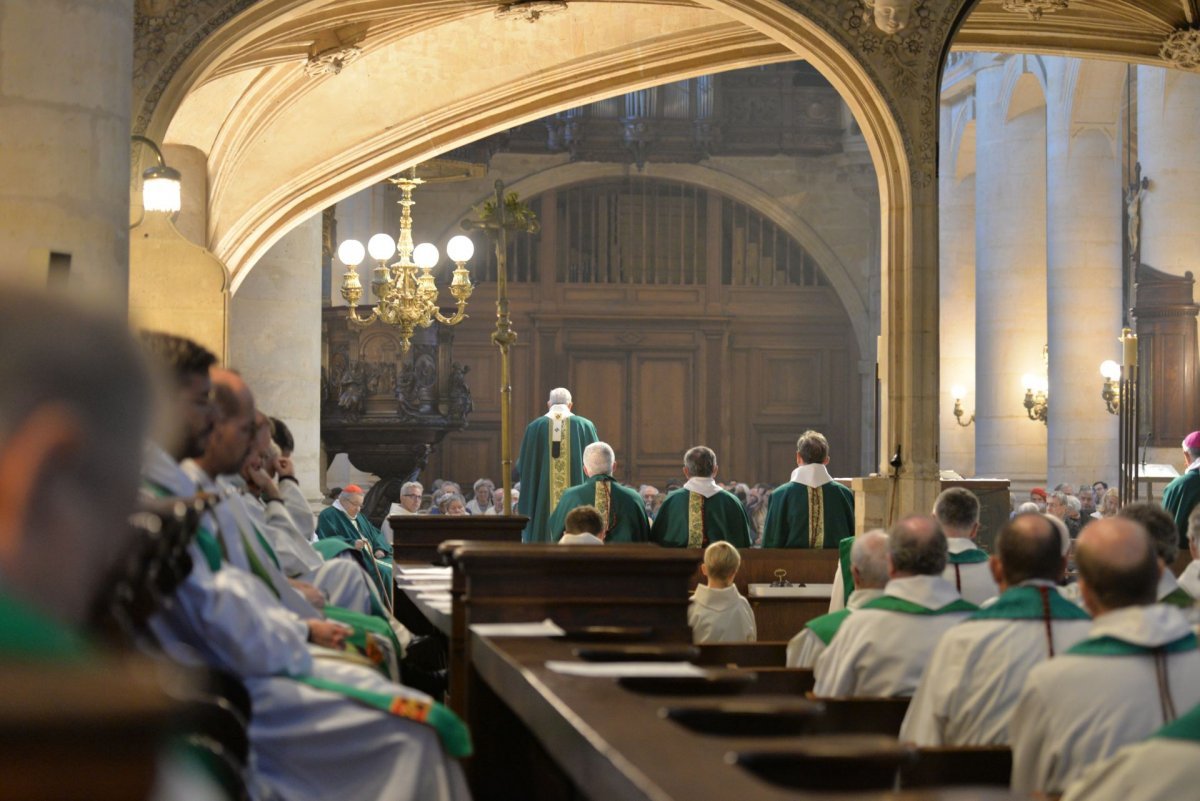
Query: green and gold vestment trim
[(816, 517), (560, 466), (695, 520)]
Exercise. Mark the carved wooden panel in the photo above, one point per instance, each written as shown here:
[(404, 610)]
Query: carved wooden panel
[(663, 402), (1167, 348), (600, 386)]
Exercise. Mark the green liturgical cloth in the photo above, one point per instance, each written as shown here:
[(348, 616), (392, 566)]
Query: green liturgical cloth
[(808, 517), (620, 506), (722, 517), (548, 468)]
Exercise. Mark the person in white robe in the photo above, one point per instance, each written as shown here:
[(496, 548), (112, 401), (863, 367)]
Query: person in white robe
[(320, 728), (1189, 579), (882, 649), (717, 611), (411, 494), (1166, 767), (1165, 536), (957, 509), (978, 668), (1138, 668), (869, 567)]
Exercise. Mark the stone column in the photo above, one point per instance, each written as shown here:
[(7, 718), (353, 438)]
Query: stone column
[(1083, 213), (65, 99), (1010, 283), (957, 287), (275, 340)]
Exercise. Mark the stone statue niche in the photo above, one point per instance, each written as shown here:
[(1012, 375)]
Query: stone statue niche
[(388, 410)]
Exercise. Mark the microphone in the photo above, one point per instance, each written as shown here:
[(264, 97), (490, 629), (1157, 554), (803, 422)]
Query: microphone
[(1145, 445)]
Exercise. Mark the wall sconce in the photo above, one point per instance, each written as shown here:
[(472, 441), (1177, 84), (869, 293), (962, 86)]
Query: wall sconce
[(1111, 391), (160, 183), (958, 392), (1037, 399)]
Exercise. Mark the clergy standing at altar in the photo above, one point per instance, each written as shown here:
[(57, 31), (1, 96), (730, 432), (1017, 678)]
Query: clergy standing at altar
[(812, 510), (551, 462)]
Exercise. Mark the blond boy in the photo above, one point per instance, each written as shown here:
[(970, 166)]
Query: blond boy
[(718, 612)]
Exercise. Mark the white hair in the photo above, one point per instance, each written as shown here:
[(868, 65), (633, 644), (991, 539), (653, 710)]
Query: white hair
[(410, 485), (869, 554), (599, 457), (1027, 507), (483, 482), (1074, 503), (559, 395)]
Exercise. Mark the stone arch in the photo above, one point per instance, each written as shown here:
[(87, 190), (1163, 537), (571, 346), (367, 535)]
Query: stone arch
[(1025, 86), (962, 140), (852, 296)]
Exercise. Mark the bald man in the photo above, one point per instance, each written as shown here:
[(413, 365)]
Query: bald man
[(968, 692), (882, 649), (869, 566), (551, 462), (1137, 670)]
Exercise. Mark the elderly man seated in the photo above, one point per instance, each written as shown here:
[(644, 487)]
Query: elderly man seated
[(1137, 670), (343, 521), (968, 692), (1165, 536), (882, 649)]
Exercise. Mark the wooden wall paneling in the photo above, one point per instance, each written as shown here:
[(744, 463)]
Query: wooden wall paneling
[(600, 385), (662, 398)]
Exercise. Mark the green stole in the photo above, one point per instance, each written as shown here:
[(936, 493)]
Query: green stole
[(212, 548), (26, 633), (891, 603), (1114, 646), (971, 557), (1186, 727), (454, 734), (1179, 597), (825, 626), (1030, 603)]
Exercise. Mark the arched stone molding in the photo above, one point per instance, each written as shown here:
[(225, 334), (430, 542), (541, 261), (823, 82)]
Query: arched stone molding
[(1024, 87), (962, 139), (850, 288)]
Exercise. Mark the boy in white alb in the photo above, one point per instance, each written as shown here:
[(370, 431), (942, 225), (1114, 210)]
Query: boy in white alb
[(718, 612)]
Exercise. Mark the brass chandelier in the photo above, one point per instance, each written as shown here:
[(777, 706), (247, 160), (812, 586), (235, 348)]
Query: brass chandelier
[(405, 292)]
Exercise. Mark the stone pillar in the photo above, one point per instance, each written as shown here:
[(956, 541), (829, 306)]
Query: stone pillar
[(275, 340), (956, 250), (1168, 106), (1083, 213), (65, 99), (1010, 282)]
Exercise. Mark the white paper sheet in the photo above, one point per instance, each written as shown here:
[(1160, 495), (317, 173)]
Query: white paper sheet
[(546, 628), (672, 670)]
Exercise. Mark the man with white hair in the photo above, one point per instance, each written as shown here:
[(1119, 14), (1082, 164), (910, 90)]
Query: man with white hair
[(619, 506), (1182, 495), (551, 462), (410, 504), (869, 566), (882, 649), (975, 675)]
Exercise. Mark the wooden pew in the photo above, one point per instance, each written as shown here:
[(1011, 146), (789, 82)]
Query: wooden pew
[(416, 537), (989, 765), (863, 715), (743, 654), (636, 586)]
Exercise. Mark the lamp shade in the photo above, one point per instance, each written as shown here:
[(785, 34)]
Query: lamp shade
[(161, 190), (351, 252), (1110, 369), (425, 255), (460, 248), (381, 247)]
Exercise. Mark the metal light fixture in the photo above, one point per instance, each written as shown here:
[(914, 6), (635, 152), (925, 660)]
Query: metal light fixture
[(958, 392), (1111, 391), (405, 292), (1037, 399), (160, 183), (1034, 8)]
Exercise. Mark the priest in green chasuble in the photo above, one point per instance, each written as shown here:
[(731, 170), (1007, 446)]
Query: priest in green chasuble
[(550, 463), (619, 506), (342, 526), (812, 510), (700, 512)]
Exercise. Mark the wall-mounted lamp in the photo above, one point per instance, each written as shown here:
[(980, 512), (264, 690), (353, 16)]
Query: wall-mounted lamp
[(1111, 391), (1037, 398), (160, 183), (958, 393)]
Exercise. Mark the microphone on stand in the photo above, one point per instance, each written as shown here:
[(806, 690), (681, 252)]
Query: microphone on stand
[(1145, 445)]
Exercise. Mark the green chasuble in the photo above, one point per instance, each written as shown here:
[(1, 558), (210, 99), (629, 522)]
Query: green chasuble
[(826, 626), (687, 519), (1179, 498), (1184, 727), (794, 521), (332, 522), (620, 506), (548, 468)]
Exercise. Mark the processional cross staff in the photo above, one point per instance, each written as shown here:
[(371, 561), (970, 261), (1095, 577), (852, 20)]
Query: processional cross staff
[(497, 217)]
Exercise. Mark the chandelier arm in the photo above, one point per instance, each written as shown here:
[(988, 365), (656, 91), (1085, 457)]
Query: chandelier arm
[(362, 322), (458, 317)]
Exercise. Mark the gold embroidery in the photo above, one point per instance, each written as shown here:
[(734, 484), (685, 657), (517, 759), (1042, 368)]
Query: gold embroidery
[(603, 502), (560, 466), (695, 520), (409, 708), (816, 517)]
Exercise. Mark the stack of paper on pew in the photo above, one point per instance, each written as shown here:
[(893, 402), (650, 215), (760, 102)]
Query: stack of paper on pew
[(616, 670), (546, 628)]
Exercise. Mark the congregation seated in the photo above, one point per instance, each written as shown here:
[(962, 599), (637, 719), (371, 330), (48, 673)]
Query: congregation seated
[(978, 668), (584, 526), (718, 612), (498, 501), (869, 567), (482, 502), (1138, 668), (452, 504), (1161, 528), (882, 649)]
